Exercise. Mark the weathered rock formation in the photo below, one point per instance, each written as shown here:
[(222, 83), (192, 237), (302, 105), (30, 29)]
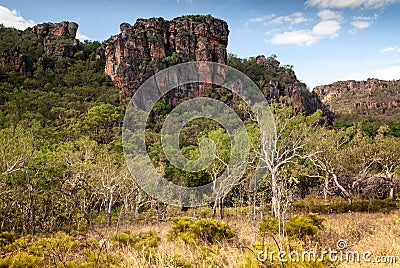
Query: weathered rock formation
[(276, 81), (54, 39), (58, 39), (373, 97), (150, 45), (19, 61)]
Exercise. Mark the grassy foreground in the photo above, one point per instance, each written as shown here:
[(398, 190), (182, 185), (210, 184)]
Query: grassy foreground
[(153, 245)]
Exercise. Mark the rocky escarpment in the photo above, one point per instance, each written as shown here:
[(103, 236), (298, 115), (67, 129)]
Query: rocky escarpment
[(150, 45), (58, 39), (20, 49), (276, 81), (373, 97)]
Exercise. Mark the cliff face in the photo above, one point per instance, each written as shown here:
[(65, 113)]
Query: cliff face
[(373, 97), (276, 81), (58, 39), (151, 45), (28, 46)]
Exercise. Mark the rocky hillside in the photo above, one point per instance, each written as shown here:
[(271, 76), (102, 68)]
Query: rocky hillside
[(150, 45), (374, 98), (277, 81), (141, 50), (153, 44), (19, 50)]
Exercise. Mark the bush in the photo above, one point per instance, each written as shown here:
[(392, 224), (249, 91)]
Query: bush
[(315, 205), (21, 260), (297, 226), (204, 231), (140, 241), (173, 59), (6, 238)]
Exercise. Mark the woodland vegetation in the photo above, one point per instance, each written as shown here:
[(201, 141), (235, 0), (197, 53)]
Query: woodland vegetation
[(64, 183)]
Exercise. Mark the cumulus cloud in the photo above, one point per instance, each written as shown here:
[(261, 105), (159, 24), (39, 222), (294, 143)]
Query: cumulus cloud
[(11, 18), (82, 37), (362, 22), (389, 50), (375, 4), (326, 28), (260, 19), (295, 18), (389, 73), (329, 15), (301, 37), (273, 19)]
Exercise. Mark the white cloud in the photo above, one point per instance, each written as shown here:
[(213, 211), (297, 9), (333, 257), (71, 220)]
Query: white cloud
[(185, 1), (362, 22), (350, 3), (295, 18), (329, 15), (301, 37), (82, 37), (389, 73), (11, 18), (260, 19), (389, 50), (327, 28), (323, 29)]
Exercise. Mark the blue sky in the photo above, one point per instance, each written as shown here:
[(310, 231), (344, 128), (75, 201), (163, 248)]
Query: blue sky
[(325, 40)]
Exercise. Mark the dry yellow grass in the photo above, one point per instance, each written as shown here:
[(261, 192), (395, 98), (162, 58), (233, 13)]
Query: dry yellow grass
[(377, 233)]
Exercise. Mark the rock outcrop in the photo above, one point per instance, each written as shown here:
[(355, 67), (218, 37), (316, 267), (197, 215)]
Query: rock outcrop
[(28, 46), (19, 61), (276, 81), (58, 39), (373, 97), (330, 91), (151, 45)]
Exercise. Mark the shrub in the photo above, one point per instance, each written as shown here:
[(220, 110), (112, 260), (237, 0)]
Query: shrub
[(205, 230), (140, 241), (6, 238), (21, 260), (173, 59), (301, 227), (315, 205), (297, 226)]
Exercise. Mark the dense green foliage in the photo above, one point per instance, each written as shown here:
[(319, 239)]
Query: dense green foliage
[(314, 205)]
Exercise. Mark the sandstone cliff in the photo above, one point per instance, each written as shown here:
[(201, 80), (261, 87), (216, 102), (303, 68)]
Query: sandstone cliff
[(150, 45), (23, 48), (276, 81), (373, 97), (143, 49), (58, 39)]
